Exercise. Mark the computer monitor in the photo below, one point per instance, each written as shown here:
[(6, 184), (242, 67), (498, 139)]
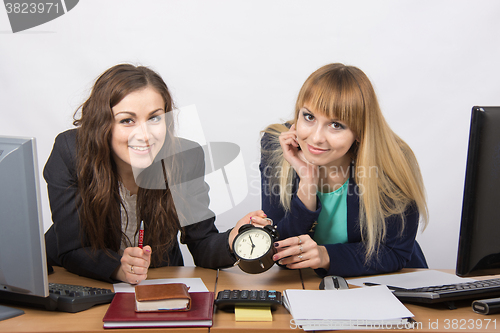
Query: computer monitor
[(23, 268), (479, 241)]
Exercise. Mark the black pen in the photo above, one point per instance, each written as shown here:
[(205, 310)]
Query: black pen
[(369, 284)]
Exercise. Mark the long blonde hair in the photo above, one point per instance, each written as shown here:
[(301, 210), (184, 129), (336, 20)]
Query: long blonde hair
[(385, 168)]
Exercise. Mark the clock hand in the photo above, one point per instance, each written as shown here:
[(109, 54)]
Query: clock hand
[(253, 245)]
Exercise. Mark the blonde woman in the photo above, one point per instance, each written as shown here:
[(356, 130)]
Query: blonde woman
[(344, 190)]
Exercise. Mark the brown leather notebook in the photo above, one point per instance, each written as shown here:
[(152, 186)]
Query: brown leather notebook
[(162, 297)]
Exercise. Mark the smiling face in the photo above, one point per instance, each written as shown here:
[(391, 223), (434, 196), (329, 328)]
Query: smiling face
[(323, 141), (139, 129)]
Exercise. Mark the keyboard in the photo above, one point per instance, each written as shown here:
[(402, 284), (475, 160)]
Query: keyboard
[(62, 297), (452, 292), (227, 299)]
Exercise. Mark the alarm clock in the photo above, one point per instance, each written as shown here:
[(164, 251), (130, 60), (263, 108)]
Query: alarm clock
[(254, 248)]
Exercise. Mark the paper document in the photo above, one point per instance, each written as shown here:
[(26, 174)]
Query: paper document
[(346, 309), (418, 279), (194, 284)]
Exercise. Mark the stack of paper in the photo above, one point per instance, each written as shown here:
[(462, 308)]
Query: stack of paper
[(367, 308)]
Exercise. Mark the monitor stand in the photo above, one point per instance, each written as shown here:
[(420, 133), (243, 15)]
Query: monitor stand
[(8, 312)]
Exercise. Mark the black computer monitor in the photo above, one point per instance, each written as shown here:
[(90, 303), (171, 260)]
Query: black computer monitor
[(23, 268), (479, 242)]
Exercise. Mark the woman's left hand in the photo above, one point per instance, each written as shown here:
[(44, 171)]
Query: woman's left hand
[(301, 252), (258, 218)]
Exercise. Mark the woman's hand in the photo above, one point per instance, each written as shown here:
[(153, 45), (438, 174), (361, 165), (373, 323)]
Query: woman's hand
[(301, 252), (134, 265), (307, 172), (294, 156), (257, 218), (290, 146), (291, 150)]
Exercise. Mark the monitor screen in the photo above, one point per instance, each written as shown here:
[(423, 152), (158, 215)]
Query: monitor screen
[(23, 267), (479, 241)]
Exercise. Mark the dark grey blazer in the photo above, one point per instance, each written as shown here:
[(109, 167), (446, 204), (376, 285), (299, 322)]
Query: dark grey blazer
[(66, 247)]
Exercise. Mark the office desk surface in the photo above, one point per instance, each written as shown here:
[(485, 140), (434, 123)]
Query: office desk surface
[(436, 318), (275, 278), (90, 320)]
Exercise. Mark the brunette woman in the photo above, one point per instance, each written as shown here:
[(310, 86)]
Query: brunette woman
[(122, 165)]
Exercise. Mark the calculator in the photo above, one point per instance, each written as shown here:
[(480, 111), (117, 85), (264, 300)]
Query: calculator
[(227, 299)]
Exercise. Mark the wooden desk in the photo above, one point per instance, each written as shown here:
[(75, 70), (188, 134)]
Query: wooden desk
[(275, 278), (437, 317), (91, 320)]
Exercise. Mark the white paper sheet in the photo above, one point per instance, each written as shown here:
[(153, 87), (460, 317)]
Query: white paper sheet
[(195, 284), (358, 304), (418, 279)]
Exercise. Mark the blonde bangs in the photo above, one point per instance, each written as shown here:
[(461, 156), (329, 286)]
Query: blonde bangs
[(335, 95)]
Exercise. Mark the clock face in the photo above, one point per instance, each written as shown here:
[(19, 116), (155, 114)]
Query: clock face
[(252, 244)]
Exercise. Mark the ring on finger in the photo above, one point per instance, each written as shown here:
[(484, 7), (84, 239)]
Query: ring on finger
[(300, 256), (300, 240), (132, 269), (300, 249)]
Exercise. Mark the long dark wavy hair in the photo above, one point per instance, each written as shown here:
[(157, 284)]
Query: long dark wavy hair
[(98, 180)]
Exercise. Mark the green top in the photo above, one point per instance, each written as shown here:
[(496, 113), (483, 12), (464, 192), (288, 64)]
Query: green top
[(332, 220)]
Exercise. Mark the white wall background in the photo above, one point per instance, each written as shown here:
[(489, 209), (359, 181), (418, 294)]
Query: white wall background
[(242, 63)]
